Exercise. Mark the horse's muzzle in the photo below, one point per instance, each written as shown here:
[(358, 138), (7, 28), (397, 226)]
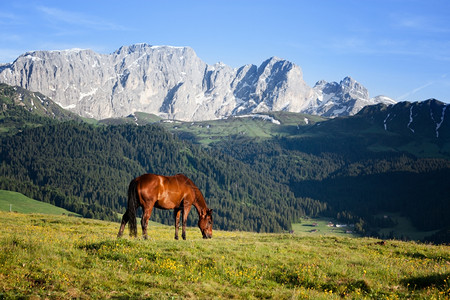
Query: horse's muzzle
[(207, 236)]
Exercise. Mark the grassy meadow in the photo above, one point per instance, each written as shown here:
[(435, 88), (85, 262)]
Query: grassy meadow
[(50, 256), (321, 227), (16, 202)]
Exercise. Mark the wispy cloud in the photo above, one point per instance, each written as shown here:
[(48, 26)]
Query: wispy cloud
[(411, 93), (413, 22), (9, 55), (373, 46), (436, 49), (428, 89), (80, 19), (7, 38), (420, 23), (7, 18)]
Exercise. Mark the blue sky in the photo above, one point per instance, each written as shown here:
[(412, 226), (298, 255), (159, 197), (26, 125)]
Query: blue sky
[(397, 48)]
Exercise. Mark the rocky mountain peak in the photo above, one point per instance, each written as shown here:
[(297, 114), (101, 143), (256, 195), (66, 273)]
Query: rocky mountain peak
[(348, 82), (173, 82), (351, 86), (320, 83)]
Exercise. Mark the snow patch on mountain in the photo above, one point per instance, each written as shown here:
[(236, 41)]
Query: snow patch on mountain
[(438, 125), (260, 116), (410, 119), (385, 121)]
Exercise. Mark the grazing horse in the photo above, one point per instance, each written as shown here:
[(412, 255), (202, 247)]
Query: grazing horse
[(165, 192)]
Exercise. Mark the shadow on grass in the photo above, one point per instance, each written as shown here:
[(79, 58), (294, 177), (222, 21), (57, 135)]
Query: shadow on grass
[(420, 255), (111, 244), (440, 281)]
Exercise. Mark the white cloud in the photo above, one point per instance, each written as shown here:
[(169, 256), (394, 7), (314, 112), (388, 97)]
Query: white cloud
[(79, 19), (7, 38), (9, 55), (411, 93), (420, 23), (7, 18)]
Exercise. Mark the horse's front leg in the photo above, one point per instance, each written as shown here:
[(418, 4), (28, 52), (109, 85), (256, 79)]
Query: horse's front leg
[(176, 214), (125, 219), (144, 221), (185, 216)]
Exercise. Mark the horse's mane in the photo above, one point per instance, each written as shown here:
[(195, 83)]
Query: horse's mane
[(199, 199)]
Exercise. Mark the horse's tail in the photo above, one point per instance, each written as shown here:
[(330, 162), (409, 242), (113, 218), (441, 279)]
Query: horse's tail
[(132, 206)]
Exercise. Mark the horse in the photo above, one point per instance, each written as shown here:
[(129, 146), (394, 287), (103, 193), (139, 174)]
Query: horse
[(165, 192)]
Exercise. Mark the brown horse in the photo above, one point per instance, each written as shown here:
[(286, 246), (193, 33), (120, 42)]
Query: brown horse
[(166, 192)]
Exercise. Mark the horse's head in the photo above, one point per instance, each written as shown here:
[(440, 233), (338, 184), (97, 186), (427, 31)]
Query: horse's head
[(205, 223)]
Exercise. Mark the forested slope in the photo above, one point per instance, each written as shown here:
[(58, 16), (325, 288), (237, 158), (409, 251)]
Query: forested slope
[(87, 169)]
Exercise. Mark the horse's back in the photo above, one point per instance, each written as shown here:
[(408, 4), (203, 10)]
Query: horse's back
[(153, 177), (178, 179), (149, 181)]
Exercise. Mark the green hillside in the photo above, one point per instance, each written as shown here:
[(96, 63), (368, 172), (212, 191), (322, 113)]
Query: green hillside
[(44, 256), (138, 118), (16, 202), (253, 127), (21, 109)]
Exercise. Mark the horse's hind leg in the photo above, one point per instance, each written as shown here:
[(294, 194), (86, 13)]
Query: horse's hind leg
[(144, 221), (176, 214), (125, 219)]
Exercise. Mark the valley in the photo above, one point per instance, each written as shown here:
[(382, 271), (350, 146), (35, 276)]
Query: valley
[(260, 172)]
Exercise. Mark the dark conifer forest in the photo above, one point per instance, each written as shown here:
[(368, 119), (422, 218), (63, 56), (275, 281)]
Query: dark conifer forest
[(87, 169)]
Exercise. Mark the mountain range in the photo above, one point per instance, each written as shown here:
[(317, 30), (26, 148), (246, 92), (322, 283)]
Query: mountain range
[(173, 83)]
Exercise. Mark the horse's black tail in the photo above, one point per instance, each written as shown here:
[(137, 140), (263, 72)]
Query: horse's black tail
[(132, 206)]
